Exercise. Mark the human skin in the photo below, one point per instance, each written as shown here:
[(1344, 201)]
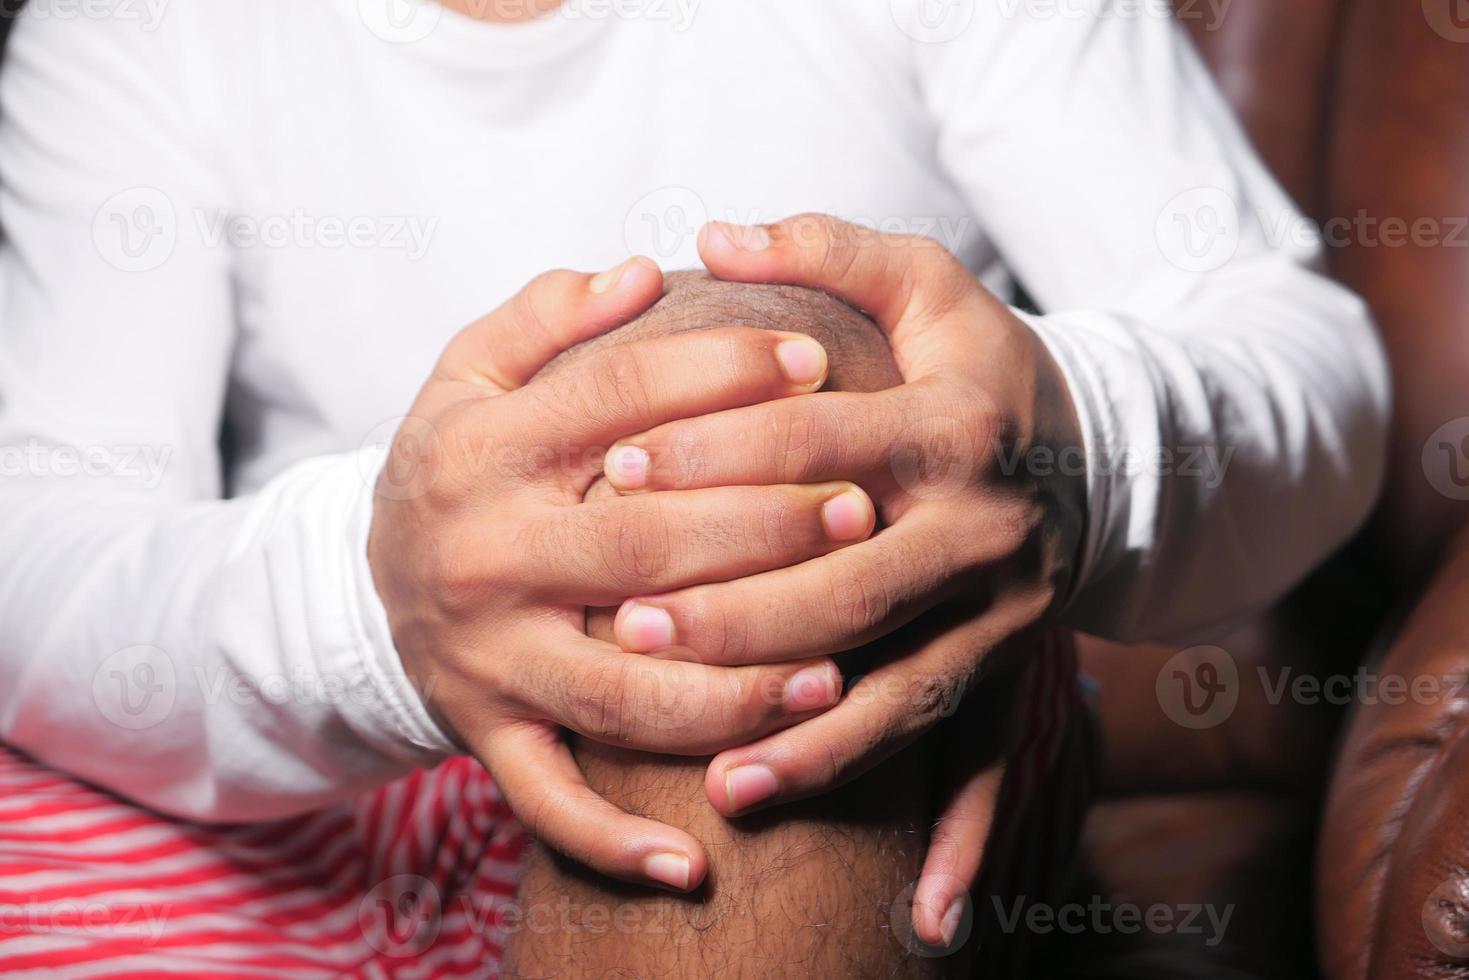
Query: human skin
[(960, 527), (819, 888), (981, 551), (493, 637)]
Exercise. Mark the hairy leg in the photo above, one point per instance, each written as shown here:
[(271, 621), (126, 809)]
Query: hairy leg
[(818, 889), (813, 890)]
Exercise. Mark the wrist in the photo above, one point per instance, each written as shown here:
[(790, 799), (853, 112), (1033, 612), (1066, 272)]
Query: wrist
[(393, 707)]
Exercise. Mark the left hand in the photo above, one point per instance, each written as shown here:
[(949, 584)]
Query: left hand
[(974, 463)]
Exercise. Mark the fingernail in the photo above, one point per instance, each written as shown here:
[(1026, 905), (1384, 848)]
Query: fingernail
[(802, 359), (848, 516), (747, 785), (949, 925), (605, 282), (812, 688), (669, 868), (720, 235), (643, 629), (627, 468)]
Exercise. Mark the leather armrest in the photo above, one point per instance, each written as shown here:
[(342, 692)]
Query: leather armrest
[(1393, 858)]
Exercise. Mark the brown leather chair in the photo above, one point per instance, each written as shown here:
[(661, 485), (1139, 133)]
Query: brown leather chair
[(1362, 109), (1393, 860)]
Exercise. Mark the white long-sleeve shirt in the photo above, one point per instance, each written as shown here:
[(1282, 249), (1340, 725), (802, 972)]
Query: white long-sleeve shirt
[(273, 214)]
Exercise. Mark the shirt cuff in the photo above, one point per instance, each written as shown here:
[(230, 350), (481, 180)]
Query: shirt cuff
[(1085, 389), (390, 713)]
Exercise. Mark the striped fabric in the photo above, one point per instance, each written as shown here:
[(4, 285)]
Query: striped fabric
[(410, 881), (415, 880)]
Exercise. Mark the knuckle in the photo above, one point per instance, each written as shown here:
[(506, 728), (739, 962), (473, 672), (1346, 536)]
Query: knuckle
[(931, 697), (535, 813), (803, 443), (860, 600), (556, 396), (831, 245), (470, 448), (983, 427), (636, 549), (725, 712), (956, 435), (561, 400), (599, 701), (420, 464), (937, 284), (835, 257), (726, 634), (833, 765), (531, 306), (1014, 526), (781, 526), (808, 229), (539, 297), (455, 572), (683, 454), (740, 357), (621, 384)]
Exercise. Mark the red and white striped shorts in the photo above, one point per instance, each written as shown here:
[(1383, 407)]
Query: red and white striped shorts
[(416, 879)]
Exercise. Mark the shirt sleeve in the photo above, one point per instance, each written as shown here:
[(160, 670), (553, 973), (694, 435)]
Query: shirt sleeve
[(1233, 400), (217, 659)]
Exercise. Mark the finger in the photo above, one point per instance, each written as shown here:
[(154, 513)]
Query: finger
[(955, 852), (911, 435), (826, 605), (789, 440), (600, 551), (905, 282), (554, 312), (545, 787), (669, 706), (879, 715), (628, 387)]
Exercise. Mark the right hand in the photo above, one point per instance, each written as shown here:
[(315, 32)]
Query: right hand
[(486, 556)]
